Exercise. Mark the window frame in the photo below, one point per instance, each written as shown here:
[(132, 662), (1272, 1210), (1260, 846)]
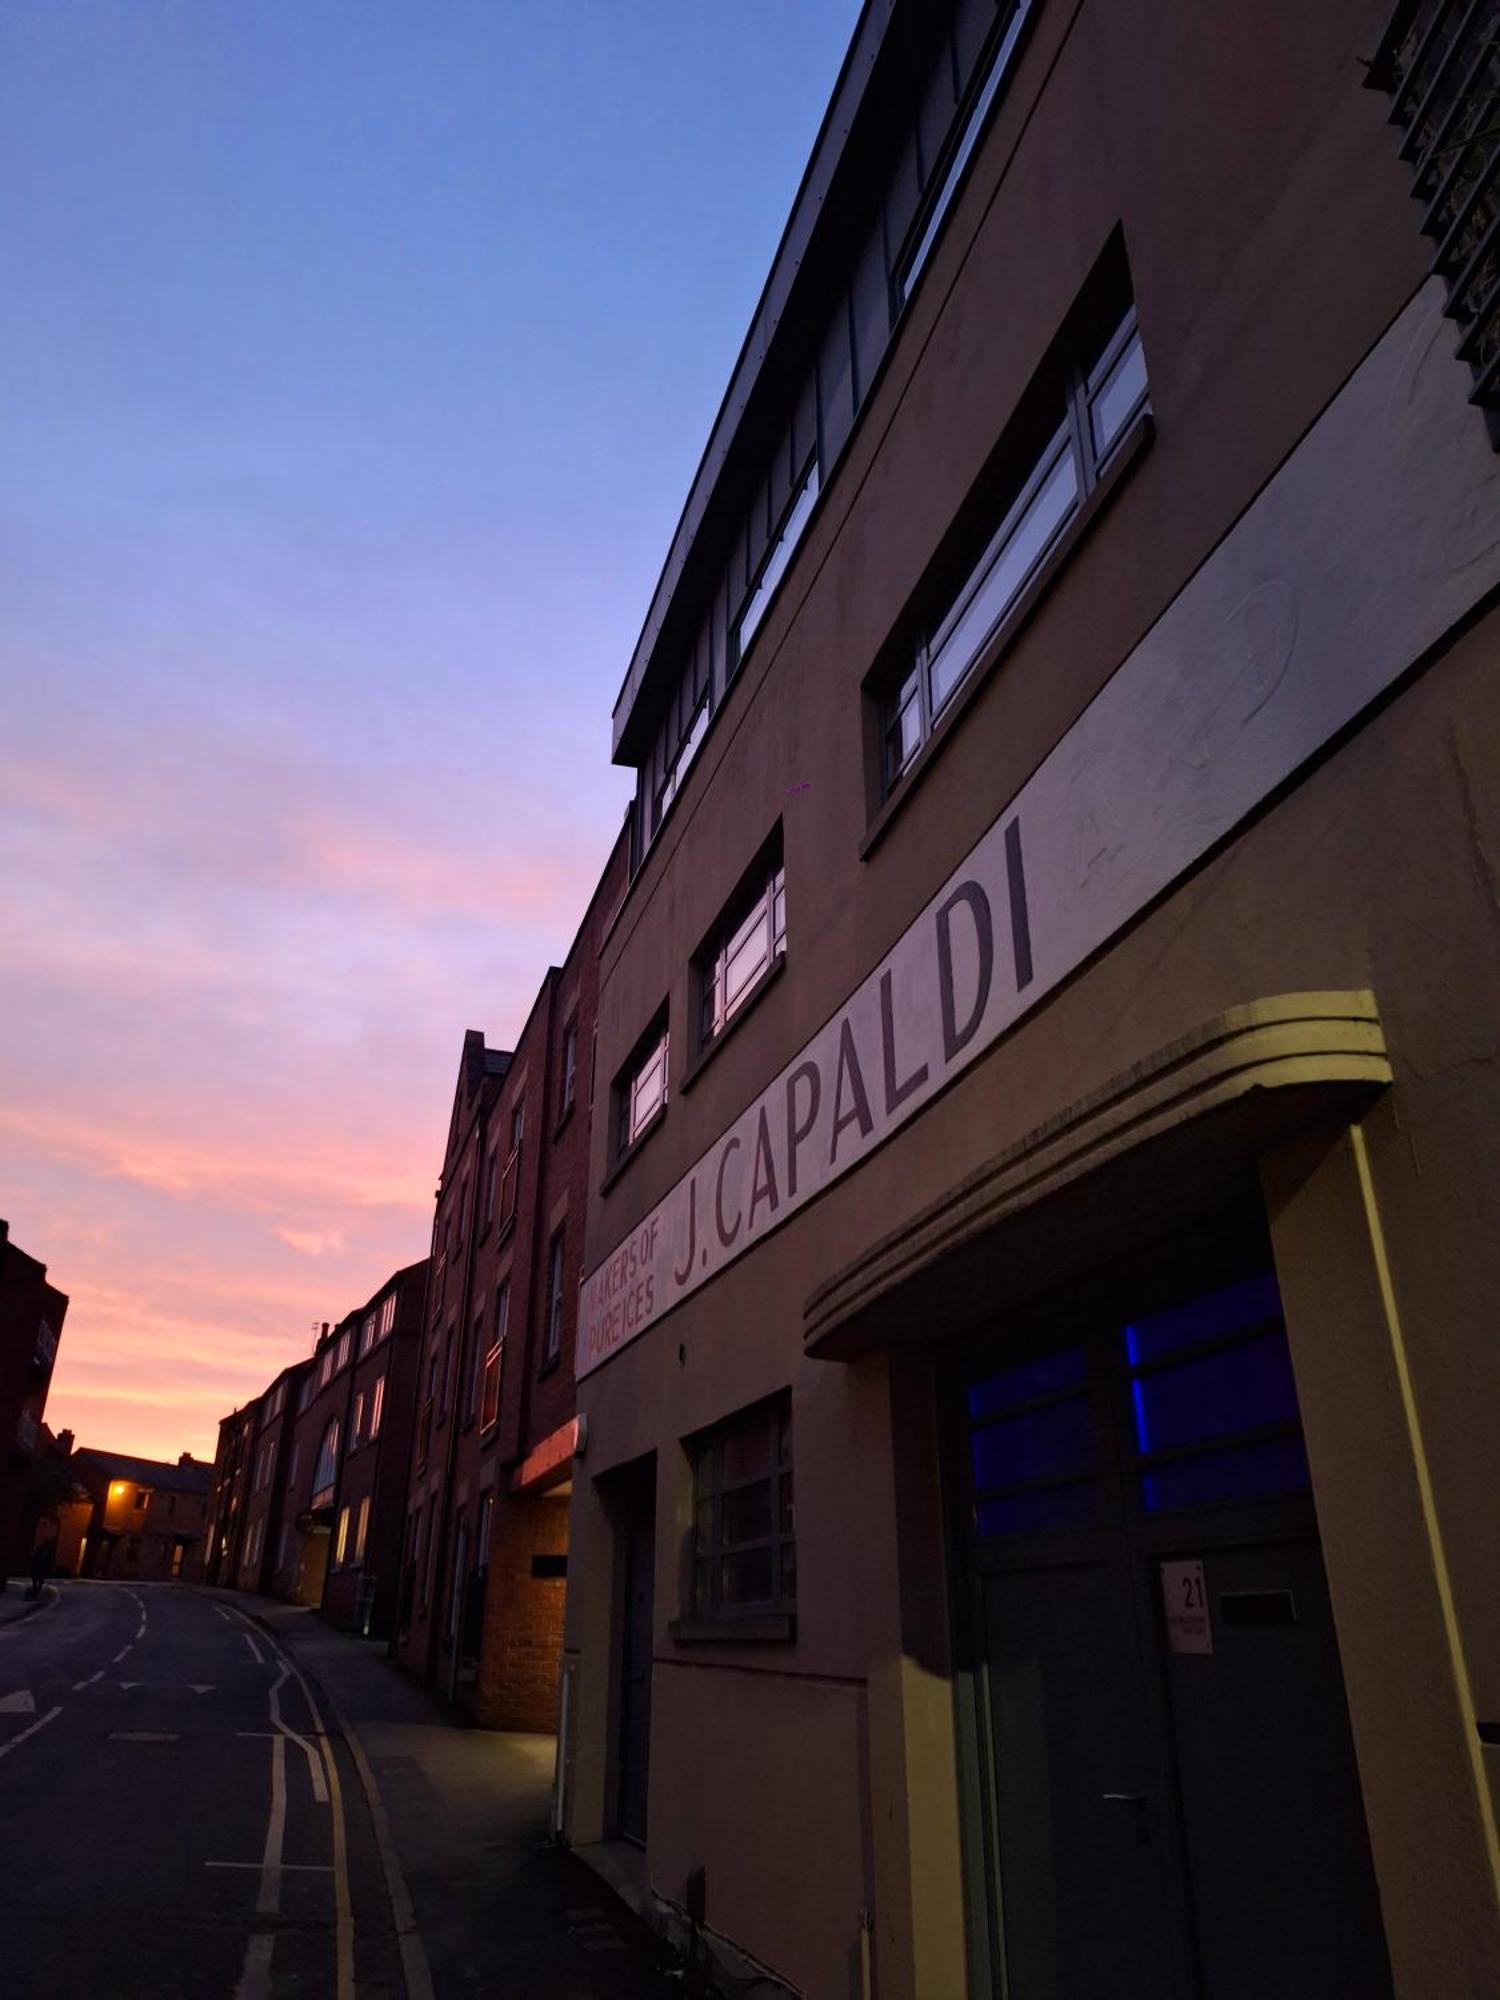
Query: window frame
[(327, 1462), (708, 1613), (494, 1361), (568, 1060), (627, 1129), (759, 900), (1069, 440), (553, 1311), (377, 1406)]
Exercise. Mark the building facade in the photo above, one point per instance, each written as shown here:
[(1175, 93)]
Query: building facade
[(266, 1436), (1032, 1532), (31, 1320), (487, 1519), (145, 1520)]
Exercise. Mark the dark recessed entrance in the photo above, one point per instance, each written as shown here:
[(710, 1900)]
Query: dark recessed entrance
[(1168, 1778)]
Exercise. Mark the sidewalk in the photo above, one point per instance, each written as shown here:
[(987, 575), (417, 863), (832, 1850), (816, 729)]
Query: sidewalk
[(15, 1604), (499, 1907)]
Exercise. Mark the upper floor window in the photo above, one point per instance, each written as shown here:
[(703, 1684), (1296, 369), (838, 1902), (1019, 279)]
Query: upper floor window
[(345, 1341), (326, 1471), (327, 1369), (278, 1397), (1101, 401), (641, 1090), (569, 1087), (943, 159), (357, 1421), (747, 942), (491, 1176), (552, 1332), (785, 535), (510, 1180), (367, 1334), (387, 1316), (489, 1400), (377, 1406)]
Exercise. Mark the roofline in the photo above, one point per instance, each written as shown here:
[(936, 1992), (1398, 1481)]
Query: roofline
[(817, 178)]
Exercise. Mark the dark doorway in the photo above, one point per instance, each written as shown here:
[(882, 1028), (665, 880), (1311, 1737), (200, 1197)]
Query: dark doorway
[(1168, 1768), (638, 1564)]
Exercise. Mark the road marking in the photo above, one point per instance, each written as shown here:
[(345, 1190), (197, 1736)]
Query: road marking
[(19, 1703), (255, 1652), (282, 1868), (6, 1748), (140, 1630), (343, 1907), (143, 1736), (223, 1614), (89, 1682), (121, 1654), (173, 1687), (414, 1964)]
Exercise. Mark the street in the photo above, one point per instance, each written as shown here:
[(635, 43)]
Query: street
[(181, 1816)]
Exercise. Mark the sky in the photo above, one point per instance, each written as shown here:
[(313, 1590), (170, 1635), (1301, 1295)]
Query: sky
[(355, 360)]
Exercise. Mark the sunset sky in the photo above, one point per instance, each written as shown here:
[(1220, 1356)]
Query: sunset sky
[(355, 358)]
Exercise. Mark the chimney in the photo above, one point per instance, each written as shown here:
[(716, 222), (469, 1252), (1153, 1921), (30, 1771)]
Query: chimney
[(4, 1232), (186, 1458), (64, 1443)]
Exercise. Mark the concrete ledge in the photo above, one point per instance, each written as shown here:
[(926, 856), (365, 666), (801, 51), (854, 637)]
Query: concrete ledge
[(1172, 1127)]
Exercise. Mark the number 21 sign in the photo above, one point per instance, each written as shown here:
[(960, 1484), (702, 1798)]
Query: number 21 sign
[(1185, 1600)]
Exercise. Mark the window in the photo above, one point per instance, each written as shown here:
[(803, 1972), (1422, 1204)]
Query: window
[(263, 1464), (744, 1550), (305, 1393), (510, 1180), (367, 1334), (345, 1341), (141, 1498), (641, 1091), (387, 1316), (489, 1400), (945, 169), (377, 1405), (482, 1532), (552, 1337), (357, 1421), (362, 1529), (458, 1217), (341, 1541), (1100, 404), (273, 1408), (747, 943), (327, 1369), (473, 1386), (492, 1168), (445, 1384), (569, 1089), (783, 546), (326, 1471)]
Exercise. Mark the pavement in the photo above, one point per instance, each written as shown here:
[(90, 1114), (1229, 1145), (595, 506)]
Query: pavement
[(207, 1793)]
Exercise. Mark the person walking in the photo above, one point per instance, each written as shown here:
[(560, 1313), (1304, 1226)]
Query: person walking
[(41, 1557)]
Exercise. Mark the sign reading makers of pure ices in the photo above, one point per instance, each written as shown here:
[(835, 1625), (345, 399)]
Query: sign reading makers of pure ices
[(1378, 533), (1185, 1602)]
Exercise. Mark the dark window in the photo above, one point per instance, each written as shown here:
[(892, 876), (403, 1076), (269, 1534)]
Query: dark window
[(489, 1401), (569, 1087), (552, 1340), (510, 1180), (744, 1546), (491, 1173), (1103, 397), (1032, 1448), (326, 1471)]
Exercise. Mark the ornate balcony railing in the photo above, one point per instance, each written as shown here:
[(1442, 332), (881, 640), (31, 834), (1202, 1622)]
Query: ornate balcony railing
[(1439, 61)]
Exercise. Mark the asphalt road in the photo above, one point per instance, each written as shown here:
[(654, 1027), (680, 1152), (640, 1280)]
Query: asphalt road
[(182, 1815), (172, 1818)]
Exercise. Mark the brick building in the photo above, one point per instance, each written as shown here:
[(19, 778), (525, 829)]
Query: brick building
[(260, 1496), (483, 1585), (31, 1321), (146, 1521), (229, 1489)]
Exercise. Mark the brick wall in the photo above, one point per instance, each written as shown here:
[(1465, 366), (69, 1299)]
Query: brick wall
[(521, 1658)]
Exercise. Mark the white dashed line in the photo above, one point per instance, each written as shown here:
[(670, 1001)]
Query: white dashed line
[(89, 1682)]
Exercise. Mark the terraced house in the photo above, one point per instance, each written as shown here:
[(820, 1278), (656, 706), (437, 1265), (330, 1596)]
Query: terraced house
[(1035, 1526)]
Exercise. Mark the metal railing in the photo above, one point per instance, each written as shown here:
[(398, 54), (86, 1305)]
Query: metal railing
[(1439, 61)]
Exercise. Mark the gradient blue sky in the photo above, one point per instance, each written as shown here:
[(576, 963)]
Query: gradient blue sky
[(354, 362)]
